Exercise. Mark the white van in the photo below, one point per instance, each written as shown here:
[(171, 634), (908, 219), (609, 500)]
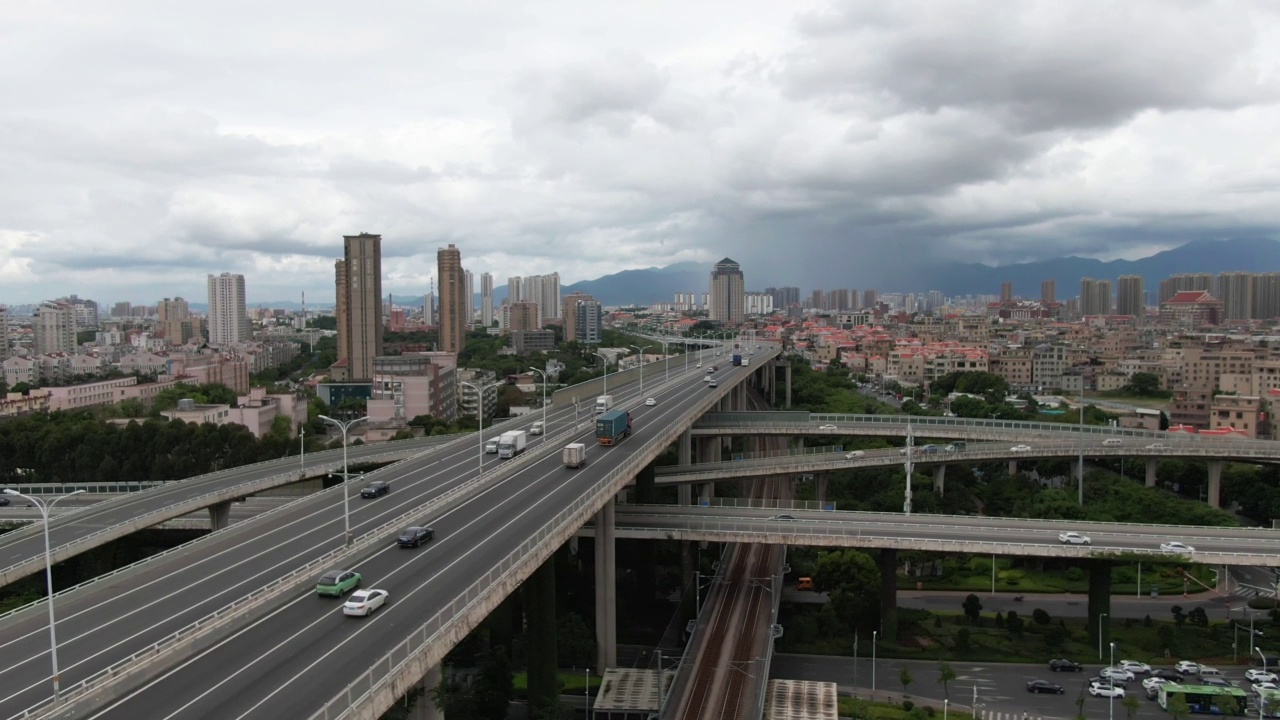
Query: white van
[(1112, 442)]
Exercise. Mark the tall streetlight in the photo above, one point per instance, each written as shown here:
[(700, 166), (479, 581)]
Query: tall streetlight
[(48, 575), (544, 401), (302, 451), (480, 413), (640, 349), (1080, 458), (1111, 696), (666, 360), (874, 634), (346, 503), (604, 379)]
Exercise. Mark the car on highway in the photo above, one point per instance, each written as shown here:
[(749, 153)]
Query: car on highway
[(1072, 537), (699, 364), (1064, 665), (337, 583), (363, 603), (1258, 675), (1020, 448), (1216, 682), (1098, 680), (1174, 546), (783, 516), (650, 401), (491, 447), (1112, 442), (1044, 686), (1155, 681), (1186, 667), (415, 536), (1115, 673), (375, 489), (826, 427), (1135, 667), (1265, 687), (1166, 674), (949, 448), (854, 454), (1158, 446), (1107, 691), (4, 501)]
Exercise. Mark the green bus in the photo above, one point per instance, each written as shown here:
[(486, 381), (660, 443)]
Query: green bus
[(1207, 699)]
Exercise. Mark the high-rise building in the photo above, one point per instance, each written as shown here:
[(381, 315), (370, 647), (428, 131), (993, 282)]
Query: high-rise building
[(1235, 290), (1185, 282), (470, 311), (1006, 292), (54, 328), (4, 333), (85, 311), (588, 322), (549, 298), (1266, 296), (1095, 297), (728, 291), (358, 288), (486, 299), (453, 322), (174, 318), (570, 314), (121, 310), (515, 289), (1048, 293), (869, 300), (523, 315), (228, 319), (1130, 296)]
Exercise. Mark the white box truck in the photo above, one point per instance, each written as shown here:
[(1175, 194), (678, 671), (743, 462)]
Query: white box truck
[(575, 455), (511, 443), (603, 403)]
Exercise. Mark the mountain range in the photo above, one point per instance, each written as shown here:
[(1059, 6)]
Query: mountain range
[(659, 285)]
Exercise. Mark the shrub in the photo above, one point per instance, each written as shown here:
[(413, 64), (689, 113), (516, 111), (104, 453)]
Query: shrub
[(1075, 574), (907, 705), (1146, 621), (1040, 617), (1263, 603), (962, 639)]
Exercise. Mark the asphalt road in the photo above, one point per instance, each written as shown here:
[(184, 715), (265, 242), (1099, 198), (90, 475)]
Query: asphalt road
[(290, 663), (1056, 604), (1000, 687)]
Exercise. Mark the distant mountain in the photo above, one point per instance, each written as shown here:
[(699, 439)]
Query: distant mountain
[(1200, 256), (646, 287)]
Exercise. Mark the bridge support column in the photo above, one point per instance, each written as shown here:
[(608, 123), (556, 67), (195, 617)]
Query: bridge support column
[(788, 388), (684, 449), (1213, 494), (544, 679), (220, 515), (820, 488), (1152, 465), (1100, 602), (939, 479), (424, 706), (708, 450), (888, 562), (773, 384), (742, 396), (706, 491), (606, 590), (1013, 468)]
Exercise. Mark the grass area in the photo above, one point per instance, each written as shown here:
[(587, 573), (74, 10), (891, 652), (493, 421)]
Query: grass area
[(867, 710), (571, 683), (923, 635), (975, 576)]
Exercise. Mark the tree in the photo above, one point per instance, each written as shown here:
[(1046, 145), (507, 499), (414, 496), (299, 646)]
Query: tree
[(852, 581), (1179, 617), (972, 608), (1131, 705), (1014, 623), (962, 639), (945, 675), (1198, 616), (1178, 708), (494, 685), (904, 677), (1040, 617), (1143, 383)]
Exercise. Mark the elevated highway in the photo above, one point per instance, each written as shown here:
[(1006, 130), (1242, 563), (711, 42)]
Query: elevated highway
[(946, 533), (492, 531)]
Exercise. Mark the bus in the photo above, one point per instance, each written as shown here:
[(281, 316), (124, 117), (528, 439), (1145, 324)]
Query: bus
[(1207, 699)]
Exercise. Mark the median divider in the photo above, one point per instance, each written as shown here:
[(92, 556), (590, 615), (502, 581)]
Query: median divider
[(126, 674)]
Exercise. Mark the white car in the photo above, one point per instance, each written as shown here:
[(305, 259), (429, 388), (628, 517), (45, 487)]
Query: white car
[(948, 448), (1020, 448), (650, 401), (1075, 538), (362, 603), (853, 454), (1116, 673), (1176, 547), (1186, 667), (826, 427), (1106, 691), (1257, 675), (1148, 683), (1133, 666), (699, 364), (1158, 446), (1264, 686)]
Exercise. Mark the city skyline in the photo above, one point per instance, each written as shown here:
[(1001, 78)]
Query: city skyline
[(617, 138)]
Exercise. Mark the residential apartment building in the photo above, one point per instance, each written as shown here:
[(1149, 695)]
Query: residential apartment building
[(486, 300), (1130, 296), (522, 316), (406, 386), (1095, 297), (1243, 413), (727, 294), (228, 319), (4, 333), (1235, 290), (174, 318), (453, 305), (477, 394), (583, 319), (531, 341), (54, 328), (358, 288)]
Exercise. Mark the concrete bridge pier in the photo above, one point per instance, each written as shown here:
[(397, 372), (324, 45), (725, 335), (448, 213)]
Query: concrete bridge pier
[(606, 590), (1213, 494), (788, 387), (684, 449), (706, 491), (1152, 464), (1100, 602), (424, 707), (773, 383), (820, 488), (1013, 468), (939, 479), (888, 562), (220, 515)]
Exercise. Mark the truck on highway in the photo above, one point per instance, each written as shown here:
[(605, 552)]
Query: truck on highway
[(737, 359), (612, 427), (511, 443), (575, 455), (603, 403)]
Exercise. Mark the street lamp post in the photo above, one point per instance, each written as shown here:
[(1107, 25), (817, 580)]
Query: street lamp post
[(586, 693), (479, 389), (302, 451), (1080, 458), (1100, 616), (1111, 697), (874, 634), (640, 349), (544, 401), (604, 379), (45, 508), (346, 503), (666, 360)]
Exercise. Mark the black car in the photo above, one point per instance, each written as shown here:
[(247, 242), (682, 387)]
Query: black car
[(1216, 682), (1166, 674), (1044, 686), (1099, 680), (415, 536), (3, 501), (1063, 665), (376, 488)]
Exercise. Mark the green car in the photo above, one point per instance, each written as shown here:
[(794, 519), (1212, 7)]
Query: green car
[(338, 582)]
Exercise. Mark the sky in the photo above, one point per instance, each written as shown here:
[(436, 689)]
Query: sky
[(146, 144)]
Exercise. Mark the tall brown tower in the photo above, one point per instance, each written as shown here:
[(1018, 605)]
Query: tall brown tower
[(453, 305), (358, 281)]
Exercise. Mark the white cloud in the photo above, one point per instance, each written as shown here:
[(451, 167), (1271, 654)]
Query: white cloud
[(144, 146)]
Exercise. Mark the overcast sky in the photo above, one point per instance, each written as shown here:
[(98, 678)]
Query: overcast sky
[(146, 144)]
